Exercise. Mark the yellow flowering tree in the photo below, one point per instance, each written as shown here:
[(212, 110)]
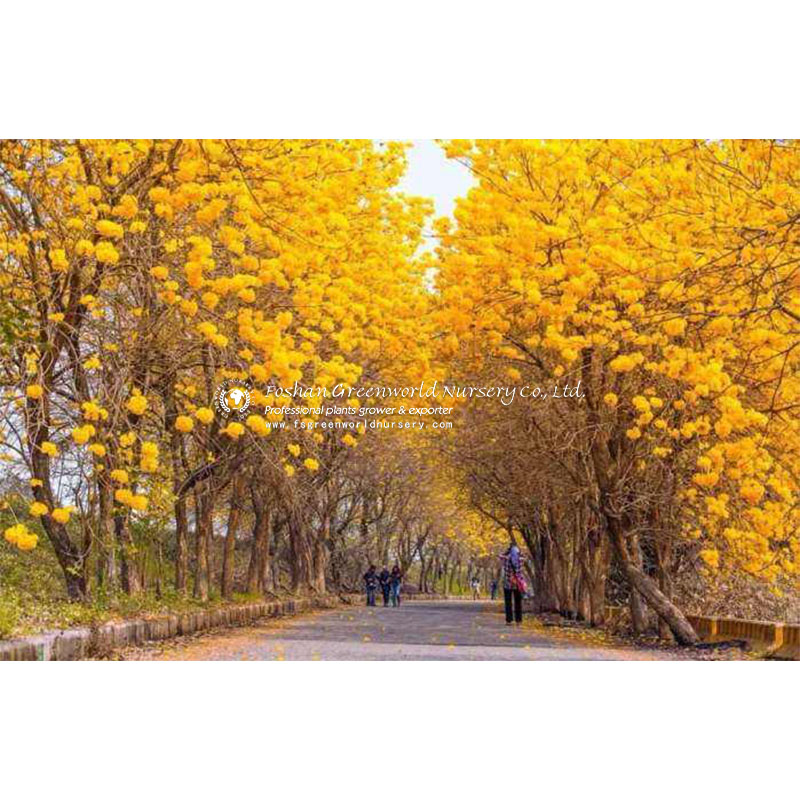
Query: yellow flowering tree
[(662, 276), (152, 270)]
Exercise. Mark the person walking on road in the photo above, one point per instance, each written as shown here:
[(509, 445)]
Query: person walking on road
[(385, 580), (513, 584), (493, 588), (397, 582), (371, 584), (475, 583)]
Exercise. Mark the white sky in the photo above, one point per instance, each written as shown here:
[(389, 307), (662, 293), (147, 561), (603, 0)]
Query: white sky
[(431, 174)]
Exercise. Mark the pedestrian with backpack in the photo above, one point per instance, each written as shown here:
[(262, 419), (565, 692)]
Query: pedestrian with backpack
[(514, 586)]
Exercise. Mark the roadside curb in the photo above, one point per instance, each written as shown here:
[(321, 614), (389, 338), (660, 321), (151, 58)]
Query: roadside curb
[(772, 639), (74, 644), (77, 643), (776, 639)]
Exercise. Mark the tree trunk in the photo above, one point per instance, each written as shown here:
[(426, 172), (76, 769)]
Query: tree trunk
[(182, 546), (259, 547), (302, 558), (229, 553), (605, 475), (159, 571), (129, 572), (544, 589), (69, 556), (177, 463), (433, 570), (107, 557), (664, 563), (638, 618), (318, 580), (204, 508), (683, 632), (320, 551), (598, 558), (69, 559)]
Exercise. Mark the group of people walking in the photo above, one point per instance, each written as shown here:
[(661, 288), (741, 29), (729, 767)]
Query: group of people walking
[(514, 584), (389, 583)]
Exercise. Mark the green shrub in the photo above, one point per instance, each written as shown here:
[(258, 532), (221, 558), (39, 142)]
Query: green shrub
[(8, 617)]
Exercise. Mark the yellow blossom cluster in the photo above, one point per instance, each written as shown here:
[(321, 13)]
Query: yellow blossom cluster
[(20, 536)]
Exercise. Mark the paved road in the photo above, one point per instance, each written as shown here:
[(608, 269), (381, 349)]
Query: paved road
[(418, 631)]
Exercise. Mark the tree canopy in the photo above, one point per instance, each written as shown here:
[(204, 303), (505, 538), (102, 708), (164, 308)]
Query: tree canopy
[(658, 279)]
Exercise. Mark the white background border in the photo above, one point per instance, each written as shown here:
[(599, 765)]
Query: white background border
[(399, 730), (407, 69)]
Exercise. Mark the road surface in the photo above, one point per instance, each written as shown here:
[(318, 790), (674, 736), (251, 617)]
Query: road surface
[(417, 631)]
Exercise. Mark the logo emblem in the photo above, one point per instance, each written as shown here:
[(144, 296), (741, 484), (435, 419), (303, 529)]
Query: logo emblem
[(232, 397)]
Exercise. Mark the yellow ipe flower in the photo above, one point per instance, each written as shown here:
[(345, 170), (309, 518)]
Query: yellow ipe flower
[(258, 425), (92, 411), (58, 260), (20, 536), (150, 449), (205, 415), (61, 515), (137, 405), (49, 449), (82, 434), (113, 230), (119, 475), (37, 509), (123, 496), (184, 424), (106, 253), (624, 363), (138, 502), (234, 430), (674, 327)]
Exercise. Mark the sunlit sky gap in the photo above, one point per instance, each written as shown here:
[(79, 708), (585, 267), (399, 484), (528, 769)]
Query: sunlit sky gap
[(431, 174)]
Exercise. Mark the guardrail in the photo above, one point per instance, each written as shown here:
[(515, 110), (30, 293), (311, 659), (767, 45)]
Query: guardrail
[(777, 638), (774, 638)]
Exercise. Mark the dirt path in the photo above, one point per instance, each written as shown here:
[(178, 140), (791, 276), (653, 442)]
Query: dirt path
[(419, 631)]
